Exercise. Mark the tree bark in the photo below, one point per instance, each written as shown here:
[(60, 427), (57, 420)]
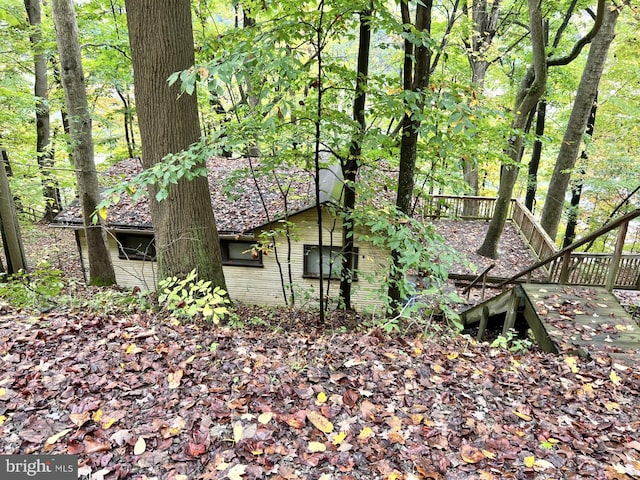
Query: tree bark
[(161, 39), (531, 89), (352, 164), (11, 237), (577, 183), (534, 163), (50, 189), (417, 63), (100, 267), (571, 143)]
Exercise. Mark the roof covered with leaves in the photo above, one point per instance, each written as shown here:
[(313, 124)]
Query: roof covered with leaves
[(245, 194)]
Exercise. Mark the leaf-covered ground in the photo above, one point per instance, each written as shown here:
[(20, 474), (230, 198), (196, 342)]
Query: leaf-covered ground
[(138, 396)]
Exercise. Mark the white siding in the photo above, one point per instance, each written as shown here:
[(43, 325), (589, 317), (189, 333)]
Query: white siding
[(263, 285)]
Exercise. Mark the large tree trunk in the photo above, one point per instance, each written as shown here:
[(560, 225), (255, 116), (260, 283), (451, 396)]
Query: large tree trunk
[(571, 143), (351, 165), (100, 267), (417, 63), (50, 189), (12, 240), (161, 41), (531, 89)]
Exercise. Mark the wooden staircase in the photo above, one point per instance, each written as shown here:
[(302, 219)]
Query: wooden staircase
[(564, 319)]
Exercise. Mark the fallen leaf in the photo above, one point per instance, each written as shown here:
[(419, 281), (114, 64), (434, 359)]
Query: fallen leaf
[(320, 421), (365, 433), (615, 378), (132, 349), (339, 438), (471, 454), (174, 378), (315, 447), (237, 432), (236, 472), (140, 446), (321, 397), (54, 438), (523, 416), (121, 437), (265, 417), (79, 419), (529, 461)]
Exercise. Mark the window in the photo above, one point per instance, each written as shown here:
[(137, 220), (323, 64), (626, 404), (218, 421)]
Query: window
[(331, 262), (136, 246), (240, 253)]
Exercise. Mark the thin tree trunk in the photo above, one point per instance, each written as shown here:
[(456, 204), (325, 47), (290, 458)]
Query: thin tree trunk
[(572, 141), (534, 163), (351, 165), (127, 122), (50, 189), (576, 186), (100, 267), (417, 63)]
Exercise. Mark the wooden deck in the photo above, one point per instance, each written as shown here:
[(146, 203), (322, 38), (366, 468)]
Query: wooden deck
[(568, 320)]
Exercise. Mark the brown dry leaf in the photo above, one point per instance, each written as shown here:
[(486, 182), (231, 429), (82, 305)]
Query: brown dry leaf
[(471, 454), (79, 419), (320, 421), (367, 410)]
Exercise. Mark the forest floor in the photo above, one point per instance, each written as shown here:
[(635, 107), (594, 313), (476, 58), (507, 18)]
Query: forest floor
[(138, 395)]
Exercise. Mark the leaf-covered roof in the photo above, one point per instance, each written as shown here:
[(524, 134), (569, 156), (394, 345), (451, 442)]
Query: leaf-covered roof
[(245, 194)]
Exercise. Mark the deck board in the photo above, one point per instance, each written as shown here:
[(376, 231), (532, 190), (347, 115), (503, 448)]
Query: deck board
[(584, 319)]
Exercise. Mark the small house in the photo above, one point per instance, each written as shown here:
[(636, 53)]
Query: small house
[(268, 229)]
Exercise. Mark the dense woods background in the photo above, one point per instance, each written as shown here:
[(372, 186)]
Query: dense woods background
[(452, 97)]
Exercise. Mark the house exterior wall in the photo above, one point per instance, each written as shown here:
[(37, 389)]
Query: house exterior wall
[(263, 285)]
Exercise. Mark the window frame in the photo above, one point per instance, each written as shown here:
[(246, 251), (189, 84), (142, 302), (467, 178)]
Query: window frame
[(122, 242), (227, 260), (333, 251)]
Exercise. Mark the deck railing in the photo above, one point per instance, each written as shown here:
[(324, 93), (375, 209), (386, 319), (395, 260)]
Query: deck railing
[(566, 266)]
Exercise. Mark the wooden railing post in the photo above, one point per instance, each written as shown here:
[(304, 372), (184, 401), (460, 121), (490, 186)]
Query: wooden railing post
[(617, 255), (564, 270)]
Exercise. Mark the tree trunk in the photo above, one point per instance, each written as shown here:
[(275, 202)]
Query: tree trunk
[(351, 165), (485, 22), (50, 189), (417, 63), (127, 122), (576, 184), (161, 40), (11, 237), (572, 141), (534, 163), (531, 89), (100, 267)]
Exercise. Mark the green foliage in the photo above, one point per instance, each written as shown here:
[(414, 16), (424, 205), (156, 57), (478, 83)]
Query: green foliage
[(193, 299), (187, 164), (113, 300), (512, 342), (36, 290)]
